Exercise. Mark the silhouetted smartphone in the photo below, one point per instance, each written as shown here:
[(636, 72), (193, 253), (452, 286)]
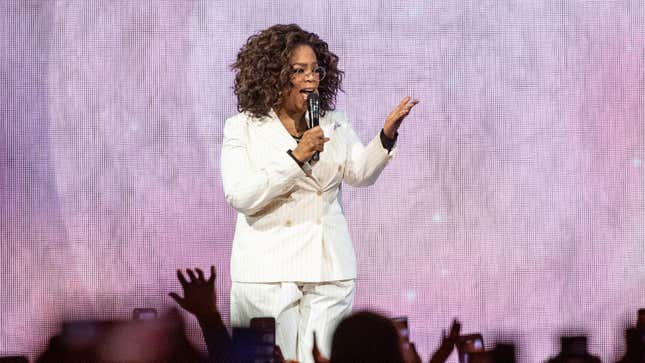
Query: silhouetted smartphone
[(401, 325), (255, 344), (480, 357), (470, 343), (263, 324), (144, 314)]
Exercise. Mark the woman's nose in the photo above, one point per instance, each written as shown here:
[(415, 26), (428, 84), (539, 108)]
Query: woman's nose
[(310, 76)]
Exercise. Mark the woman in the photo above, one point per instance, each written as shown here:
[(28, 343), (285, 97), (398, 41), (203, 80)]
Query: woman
[(292, 255)]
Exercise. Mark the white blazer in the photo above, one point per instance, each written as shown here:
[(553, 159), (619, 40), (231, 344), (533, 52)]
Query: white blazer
[(290, 224)]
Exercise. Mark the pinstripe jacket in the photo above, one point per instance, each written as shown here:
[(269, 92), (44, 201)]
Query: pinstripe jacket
[(290, 224)]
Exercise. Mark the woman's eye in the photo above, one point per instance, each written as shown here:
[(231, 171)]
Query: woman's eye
[(298, 71)]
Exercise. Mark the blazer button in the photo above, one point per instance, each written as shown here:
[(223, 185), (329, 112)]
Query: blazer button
[(340, 168), (318, 221), (319, 193), (288, 223)]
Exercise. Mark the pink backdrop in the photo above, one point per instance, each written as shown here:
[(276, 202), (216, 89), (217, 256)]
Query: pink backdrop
[(515, 202)]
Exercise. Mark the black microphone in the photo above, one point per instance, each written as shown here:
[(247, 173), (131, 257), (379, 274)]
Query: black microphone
[(313, 111)]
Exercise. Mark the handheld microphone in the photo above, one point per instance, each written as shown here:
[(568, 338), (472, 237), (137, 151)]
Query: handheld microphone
[(313, 111)]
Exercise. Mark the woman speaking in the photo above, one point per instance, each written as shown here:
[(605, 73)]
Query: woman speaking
[(292, 256)]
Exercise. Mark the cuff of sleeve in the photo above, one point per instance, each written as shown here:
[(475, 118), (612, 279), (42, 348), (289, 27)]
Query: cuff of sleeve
[(300, 163), (290, 171), (387, 142)]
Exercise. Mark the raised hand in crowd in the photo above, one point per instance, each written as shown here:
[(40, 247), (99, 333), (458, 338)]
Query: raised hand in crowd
[(199, 294), (447, 343), (200, 300)]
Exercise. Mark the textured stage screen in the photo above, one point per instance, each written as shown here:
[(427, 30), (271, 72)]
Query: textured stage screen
[(514, 203)]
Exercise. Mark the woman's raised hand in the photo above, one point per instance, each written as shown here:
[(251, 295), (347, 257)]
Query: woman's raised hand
[(394, 119)]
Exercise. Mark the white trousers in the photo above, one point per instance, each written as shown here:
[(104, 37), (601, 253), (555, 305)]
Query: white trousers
[(299, 309)]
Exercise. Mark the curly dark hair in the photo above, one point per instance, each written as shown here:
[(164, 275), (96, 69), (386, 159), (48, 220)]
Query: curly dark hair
[(263, 70)]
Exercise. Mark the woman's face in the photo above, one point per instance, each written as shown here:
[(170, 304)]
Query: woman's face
[(303, 62)]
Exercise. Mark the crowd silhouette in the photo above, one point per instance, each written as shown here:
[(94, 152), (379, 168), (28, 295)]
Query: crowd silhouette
[(364, 336)]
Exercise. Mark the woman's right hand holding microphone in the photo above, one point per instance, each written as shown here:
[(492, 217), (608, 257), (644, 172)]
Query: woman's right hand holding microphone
[(312, 140)]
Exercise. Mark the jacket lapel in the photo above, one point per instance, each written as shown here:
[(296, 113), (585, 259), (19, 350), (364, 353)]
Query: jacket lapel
[(277, 135)]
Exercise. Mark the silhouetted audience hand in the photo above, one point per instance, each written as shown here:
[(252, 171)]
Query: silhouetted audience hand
[(447, 343), (200, 300), (199, 294)]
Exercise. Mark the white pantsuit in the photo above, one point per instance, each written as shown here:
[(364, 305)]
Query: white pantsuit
[(290, 224), (299, 310)]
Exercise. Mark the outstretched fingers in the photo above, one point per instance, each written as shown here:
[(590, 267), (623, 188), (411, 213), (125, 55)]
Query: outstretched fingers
[(406, 105), (455, 329), (403, 102), (200, 274), (178, 299), (191, 274), (211, 279), (182, 279), (402, 109)]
